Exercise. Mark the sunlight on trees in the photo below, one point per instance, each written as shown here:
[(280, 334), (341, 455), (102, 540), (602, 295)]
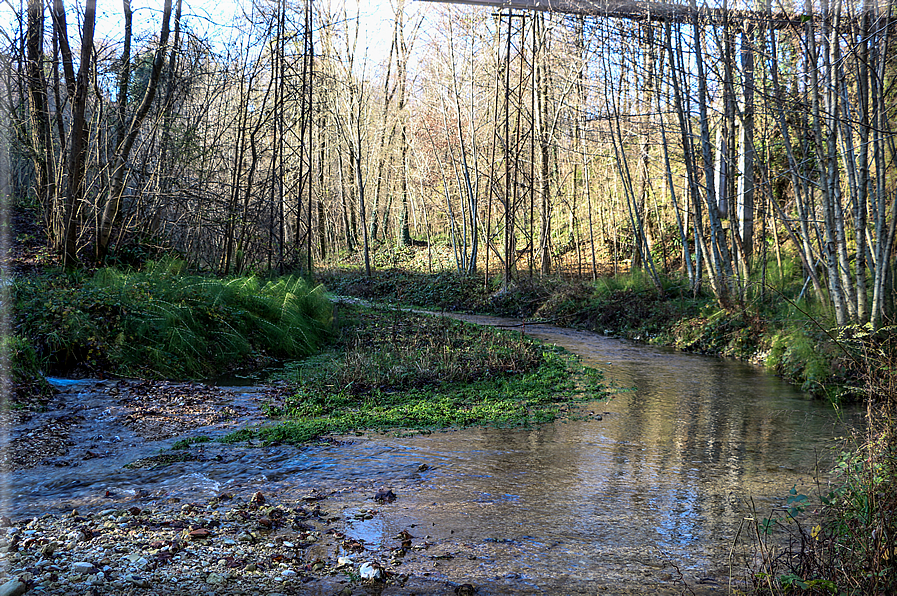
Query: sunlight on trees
[(714, 143)]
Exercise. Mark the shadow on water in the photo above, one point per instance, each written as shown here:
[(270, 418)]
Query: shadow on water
[(666, 476)]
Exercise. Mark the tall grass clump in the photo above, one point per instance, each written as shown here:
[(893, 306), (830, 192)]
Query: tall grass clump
[(797, 356), (19, 365), (163, 322)]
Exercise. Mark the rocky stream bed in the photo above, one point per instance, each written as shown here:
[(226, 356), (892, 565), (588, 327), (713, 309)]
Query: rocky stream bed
[(248, 538)]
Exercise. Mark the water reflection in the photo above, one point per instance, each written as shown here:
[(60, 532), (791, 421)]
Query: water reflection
[(664, 476)]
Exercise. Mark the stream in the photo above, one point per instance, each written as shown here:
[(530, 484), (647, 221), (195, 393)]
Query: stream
[(652, 492)]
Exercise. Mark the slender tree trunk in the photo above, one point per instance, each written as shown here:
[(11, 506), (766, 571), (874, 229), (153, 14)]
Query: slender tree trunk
[(112, 209), (42, 154), (79, 138)]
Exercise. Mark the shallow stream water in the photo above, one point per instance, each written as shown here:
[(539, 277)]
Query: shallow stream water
[(659, 486)]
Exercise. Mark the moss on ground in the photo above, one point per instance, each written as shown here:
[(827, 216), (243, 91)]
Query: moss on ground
[(403, 372)]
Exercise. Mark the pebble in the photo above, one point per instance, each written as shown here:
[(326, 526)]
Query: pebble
[(154, 552), (12, 588), (82, 567), (139, 581), (370, 570)]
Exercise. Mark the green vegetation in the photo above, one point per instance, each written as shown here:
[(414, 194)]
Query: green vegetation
[(797, 356), (188, 442), (163, 322), (394, 370), (775, 324), (21, 367), (843, 541)]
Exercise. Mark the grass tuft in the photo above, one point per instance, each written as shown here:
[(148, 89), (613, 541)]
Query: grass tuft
[(160, 322)]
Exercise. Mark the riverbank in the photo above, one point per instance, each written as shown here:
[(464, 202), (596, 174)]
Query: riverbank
[(505, 510), (623, 307), (254, 542), (850, 550), (789, 337)]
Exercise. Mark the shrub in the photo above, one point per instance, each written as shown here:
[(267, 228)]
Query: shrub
[(797, 357)]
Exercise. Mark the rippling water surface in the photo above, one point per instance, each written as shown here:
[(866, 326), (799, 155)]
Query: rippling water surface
[(577, 506)]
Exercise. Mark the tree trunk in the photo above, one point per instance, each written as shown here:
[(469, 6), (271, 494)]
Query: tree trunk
[(79, 138), (112, 209)]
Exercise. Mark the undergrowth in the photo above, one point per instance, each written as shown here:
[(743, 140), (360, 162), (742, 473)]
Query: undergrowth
[(162, 322), (841, 541), (20, 367), (395, 370)]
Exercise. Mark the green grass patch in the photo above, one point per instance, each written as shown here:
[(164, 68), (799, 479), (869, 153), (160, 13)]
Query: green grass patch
[(190, 441), (399, 371), (161, 322), (797, 356)]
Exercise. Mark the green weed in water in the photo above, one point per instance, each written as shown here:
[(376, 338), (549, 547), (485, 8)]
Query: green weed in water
[(188, 442)]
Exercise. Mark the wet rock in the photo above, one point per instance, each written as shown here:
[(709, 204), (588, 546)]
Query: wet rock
[(200, 534), (138, 580), (83, 567), (13, 588), (465, 590), (385, 495), (371, 570), (258, 498), (141, 563)]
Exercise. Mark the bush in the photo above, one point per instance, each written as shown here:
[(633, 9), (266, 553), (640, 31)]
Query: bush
[(798, 357), (22, 369)]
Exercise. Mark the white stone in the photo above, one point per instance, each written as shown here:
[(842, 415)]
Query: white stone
[(369, 571), (12, 588), (82, 567)]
